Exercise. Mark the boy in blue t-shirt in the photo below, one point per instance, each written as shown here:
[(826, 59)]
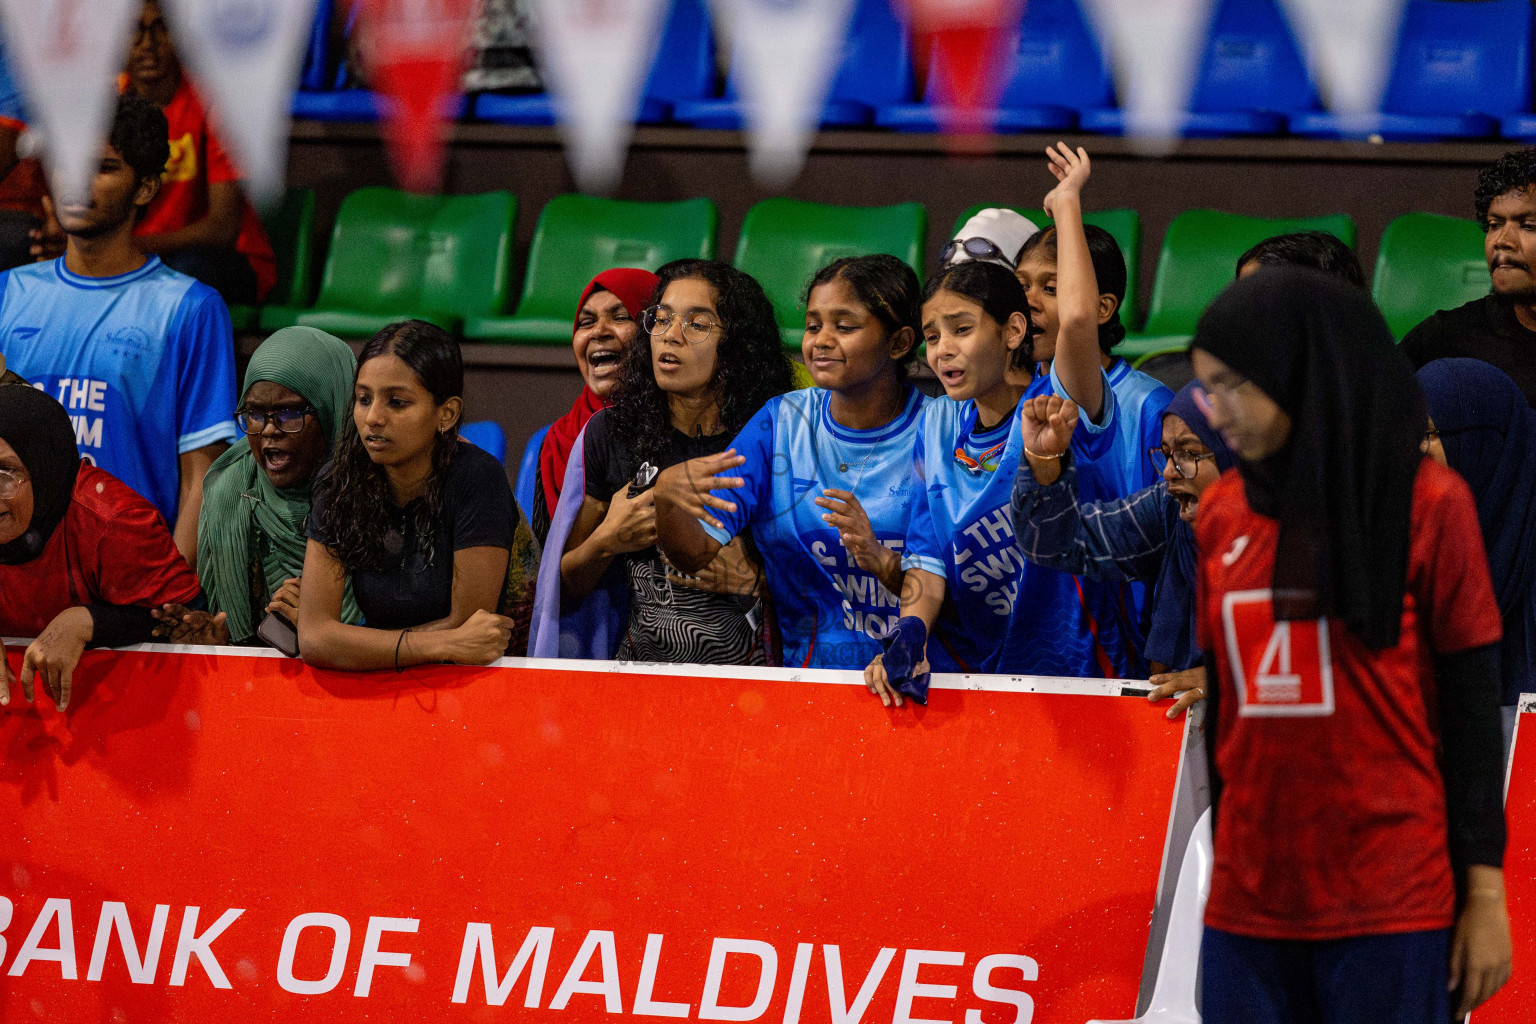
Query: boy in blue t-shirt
[(142, 357)]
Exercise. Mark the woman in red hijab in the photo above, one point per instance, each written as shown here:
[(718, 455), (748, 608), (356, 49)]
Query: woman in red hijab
[(607, 317)]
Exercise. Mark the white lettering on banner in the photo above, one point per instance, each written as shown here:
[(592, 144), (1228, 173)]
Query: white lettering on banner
[(341, 940), (607, 987), (115, 915), (645, 1006), (911, 989), (981, 984), (373, 957), (63, 954), (842, 1012), (709, 1005), (477, 938), (191, 944), (533, 957)]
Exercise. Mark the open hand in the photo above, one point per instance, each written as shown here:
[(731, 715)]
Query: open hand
[(1481, 950), (847, 516), (178, 624), (687, 486), (1188, 686), (53, 656), (1071, 171)]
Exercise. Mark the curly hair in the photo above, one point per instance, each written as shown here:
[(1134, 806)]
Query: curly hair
[(352, 492), (1108, 269), (1515, 171), (885, 286), (750, 365), (996, 291), (141, 136)]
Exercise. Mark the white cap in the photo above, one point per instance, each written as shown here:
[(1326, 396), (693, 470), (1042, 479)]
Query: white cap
[(1006, 229)]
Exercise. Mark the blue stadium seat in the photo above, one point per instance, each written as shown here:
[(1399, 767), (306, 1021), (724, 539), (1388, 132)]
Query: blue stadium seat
[(1460, 66), (317, 58), (684, 70), (1058, 70), (487, 435), (876, 71), (528, 470), (1251, 77), (352, 105)]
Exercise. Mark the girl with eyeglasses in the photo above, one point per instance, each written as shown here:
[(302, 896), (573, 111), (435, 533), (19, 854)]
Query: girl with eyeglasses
[(250, 539), (707, 358), (1147, 537), (83, 559), (825, 482), (420, 523)]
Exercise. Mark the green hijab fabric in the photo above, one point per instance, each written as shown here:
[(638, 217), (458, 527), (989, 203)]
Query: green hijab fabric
[(240, 504)]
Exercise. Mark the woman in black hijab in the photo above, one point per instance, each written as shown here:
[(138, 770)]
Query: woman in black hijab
[(1353, 631), (83, 559)]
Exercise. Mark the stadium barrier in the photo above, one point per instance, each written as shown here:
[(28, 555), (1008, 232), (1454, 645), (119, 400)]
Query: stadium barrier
[(221, 834)]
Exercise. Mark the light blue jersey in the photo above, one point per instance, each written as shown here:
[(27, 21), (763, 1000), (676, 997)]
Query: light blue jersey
[(13, 112), (144, 362), (832, 614), (1112, 463), (1012, 616)]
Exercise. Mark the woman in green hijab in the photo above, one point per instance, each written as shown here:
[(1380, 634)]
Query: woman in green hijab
[(296, 405)]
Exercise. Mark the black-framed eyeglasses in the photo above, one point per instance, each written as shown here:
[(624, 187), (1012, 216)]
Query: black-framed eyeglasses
[(977, 248), (288, 421), (1185, 462), (697, 327)]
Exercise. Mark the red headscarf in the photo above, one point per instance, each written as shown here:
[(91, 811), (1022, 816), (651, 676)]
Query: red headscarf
[(634, 288)]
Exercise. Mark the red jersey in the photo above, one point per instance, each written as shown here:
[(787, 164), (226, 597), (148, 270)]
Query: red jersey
[(112, 547), (197, 161), (1332, 820)]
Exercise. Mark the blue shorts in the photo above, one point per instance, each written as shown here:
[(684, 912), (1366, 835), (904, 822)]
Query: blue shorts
[(1373, 979)]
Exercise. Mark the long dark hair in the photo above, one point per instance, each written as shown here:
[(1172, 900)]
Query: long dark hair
[(996, 291), (352, 493), (885, 286), (750, 365), (1108, 268)]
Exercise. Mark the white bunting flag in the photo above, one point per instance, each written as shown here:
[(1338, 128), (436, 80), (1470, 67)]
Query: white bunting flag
[(245, 57), (67, 55), (784, 56), (595, 56), (1154, 47), (1349, 48)]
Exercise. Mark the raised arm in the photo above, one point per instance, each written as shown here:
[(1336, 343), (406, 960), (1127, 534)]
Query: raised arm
[(1119, 540), (1077, 364)]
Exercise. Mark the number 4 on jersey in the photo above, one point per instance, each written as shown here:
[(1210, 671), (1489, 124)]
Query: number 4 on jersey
[(1279, 668)]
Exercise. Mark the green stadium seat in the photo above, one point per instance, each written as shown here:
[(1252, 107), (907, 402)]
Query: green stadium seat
[(578, 237), (1125, 225), (290, 227), (1198, 260), (1428, 262), (785, 241), (397, 256)]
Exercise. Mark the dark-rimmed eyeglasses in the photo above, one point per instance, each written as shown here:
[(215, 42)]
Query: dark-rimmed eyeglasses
[(287, 421), (697, 327), (976, 248), (1185, 462)]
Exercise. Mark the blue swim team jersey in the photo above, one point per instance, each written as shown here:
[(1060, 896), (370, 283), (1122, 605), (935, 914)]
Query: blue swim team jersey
[(832, 613), (144, 362)]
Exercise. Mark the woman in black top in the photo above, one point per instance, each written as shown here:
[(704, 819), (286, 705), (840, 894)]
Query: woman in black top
[(422, 522), (707, 359)]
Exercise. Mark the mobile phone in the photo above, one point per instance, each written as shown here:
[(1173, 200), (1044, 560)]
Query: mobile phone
[(277, 632), (645, 479)]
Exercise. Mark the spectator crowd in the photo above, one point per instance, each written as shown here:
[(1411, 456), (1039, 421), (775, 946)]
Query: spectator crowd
[(1336, 553)]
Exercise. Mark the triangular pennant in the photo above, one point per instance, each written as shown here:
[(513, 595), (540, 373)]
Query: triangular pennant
[(784, 54), (597, 100), (68, 54), (1349, 49), (245, 56), (1154, 47), (415, 51), (968, 42)]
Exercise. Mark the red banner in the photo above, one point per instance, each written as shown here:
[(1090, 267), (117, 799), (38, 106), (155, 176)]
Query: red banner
[(1516, 1001), (241, 838)]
